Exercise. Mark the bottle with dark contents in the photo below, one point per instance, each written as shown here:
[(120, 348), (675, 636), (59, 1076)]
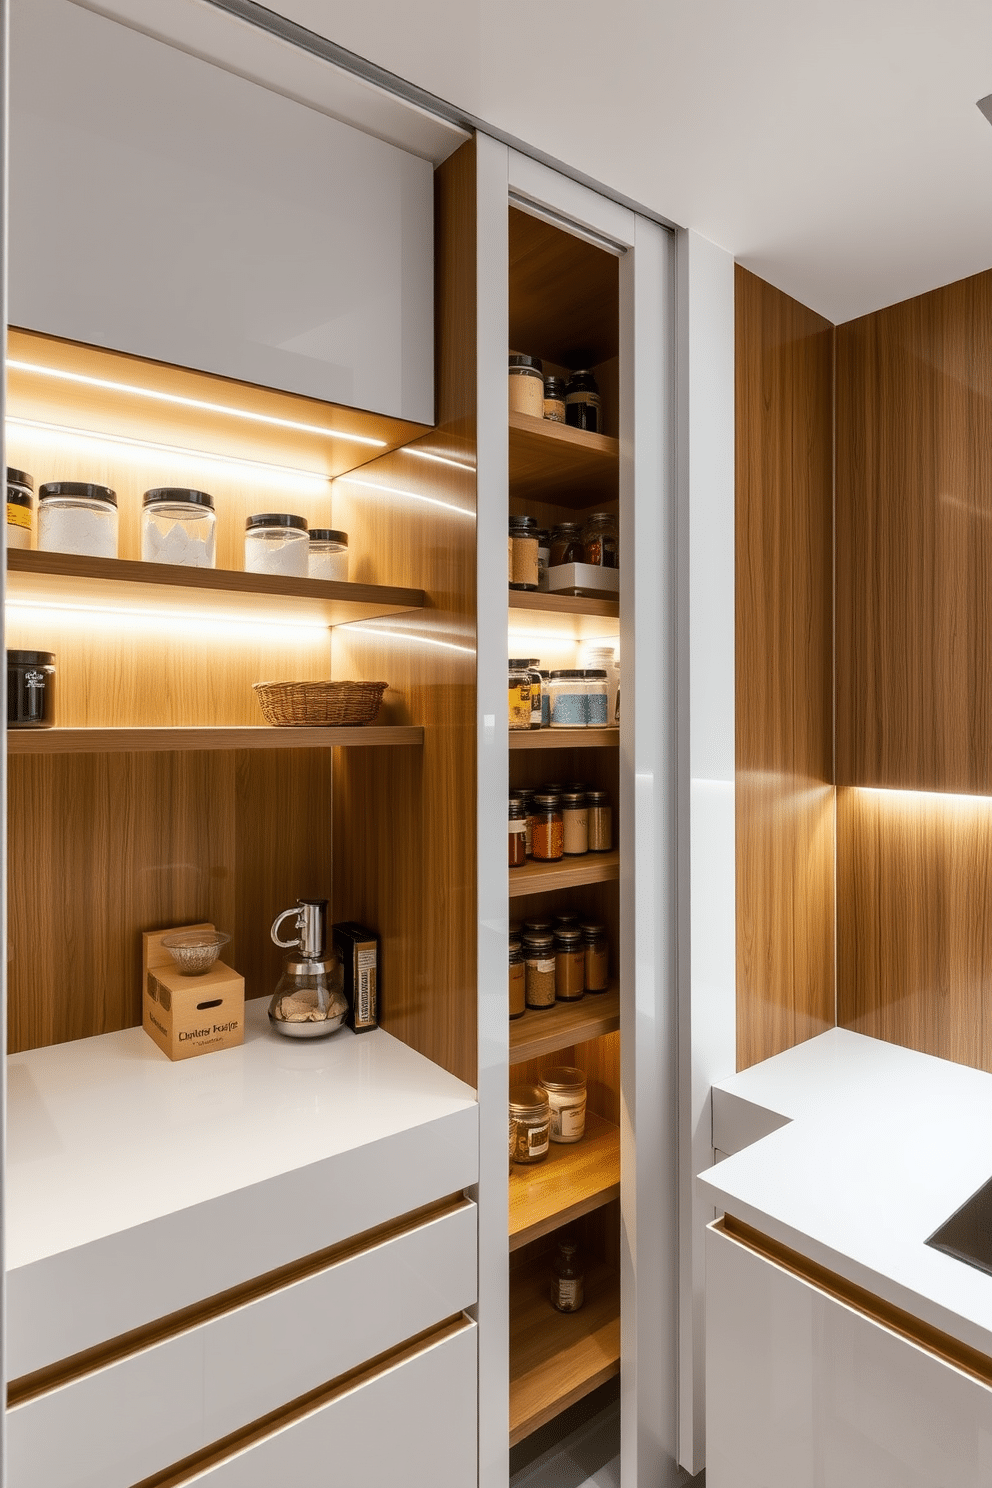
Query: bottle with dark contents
[(601, 540), (567, 1278), (518, 980), (517, 842), (582, 403), (555, 389), (570, 965), (566, 545)]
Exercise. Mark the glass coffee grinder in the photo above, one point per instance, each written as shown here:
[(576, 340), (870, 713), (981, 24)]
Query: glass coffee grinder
[(309, 1000)]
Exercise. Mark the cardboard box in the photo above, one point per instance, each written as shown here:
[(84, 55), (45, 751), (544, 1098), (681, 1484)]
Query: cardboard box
[(189, 1015), (359, 950)]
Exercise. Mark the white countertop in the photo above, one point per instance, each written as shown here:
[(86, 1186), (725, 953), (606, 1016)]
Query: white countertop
[(880, 1145), (201, 1173)]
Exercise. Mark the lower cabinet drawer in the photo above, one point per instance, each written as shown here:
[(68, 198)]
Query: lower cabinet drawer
[(412, 1423), (158, 1404)]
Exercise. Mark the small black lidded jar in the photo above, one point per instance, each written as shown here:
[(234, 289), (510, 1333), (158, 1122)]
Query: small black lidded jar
[(30, 689), (583, 409)]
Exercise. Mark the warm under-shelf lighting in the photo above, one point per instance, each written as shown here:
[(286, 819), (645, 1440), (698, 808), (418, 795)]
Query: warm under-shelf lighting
[(422, 454), (180, 401), (313, 479), (374, 631), (392, 491), (204, 625), (898, 792)]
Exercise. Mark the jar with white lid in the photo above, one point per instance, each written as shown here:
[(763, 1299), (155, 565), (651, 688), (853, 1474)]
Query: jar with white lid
[(328, 554), (77, 517), (178, 526), (277, 543), (20, 504), (565, 1088)]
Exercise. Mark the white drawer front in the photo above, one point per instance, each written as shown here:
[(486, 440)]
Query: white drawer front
[(157, 1406), (414, 1424)]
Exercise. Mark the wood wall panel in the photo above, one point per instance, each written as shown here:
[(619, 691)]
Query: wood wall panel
[(914, 542), (784, 672), (914, 896), (404, 828)]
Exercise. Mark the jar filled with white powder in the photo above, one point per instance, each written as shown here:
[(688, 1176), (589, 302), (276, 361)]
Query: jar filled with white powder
[(178, 526), (328, 553), (277, 543), (76, 517)]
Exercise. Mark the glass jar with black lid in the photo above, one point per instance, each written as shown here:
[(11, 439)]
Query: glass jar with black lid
[(30, 689), (20, 505), (566, 545), (582, 403), (522, 555)]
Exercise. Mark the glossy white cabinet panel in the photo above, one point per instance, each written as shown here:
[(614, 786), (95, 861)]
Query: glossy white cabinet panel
[(136, 1187), (163, 206), (804, 1392), (413, 1424), (135, 1417)]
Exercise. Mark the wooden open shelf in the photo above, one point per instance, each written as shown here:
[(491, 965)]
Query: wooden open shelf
[(543, 1031), (65, 581), (564, 294), (167, 740), (573, 1179), (560, 738), (549, 878), (558, 1357), (569, 616), (561, 466)]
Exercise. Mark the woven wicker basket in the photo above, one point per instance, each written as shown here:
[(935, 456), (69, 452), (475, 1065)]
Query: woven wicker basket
[(319, 704)]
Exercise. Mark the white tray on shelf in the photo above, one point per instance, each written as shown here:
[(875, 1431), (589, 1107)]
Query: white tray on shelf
[(584, 578)]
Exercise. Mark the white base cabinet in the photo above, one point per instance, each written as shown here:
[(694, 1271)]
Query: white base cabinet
[(803, 1391)]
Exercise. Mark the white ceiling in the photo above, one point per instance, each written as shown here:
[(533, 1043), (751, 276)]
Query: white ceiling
[(833, 146)]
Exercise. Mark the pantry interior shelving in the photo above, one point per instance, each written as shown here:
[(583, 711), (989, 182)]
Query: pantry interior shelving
[(564, 308)]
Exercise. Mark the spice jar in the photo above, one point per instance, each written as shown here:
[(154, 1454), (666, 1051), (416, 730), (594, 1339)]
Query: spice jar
[(567, 921), (565, 1088), (536, 689), (567, 702), (531, 1118), (601, 541), (20, 504), (601, 658), (523, 553), (600, 814), (554, 399), (597, 957), (575, 824), (277, 543), (518, 834), (518, 981), (525, 798), (570, 964), (582, 403), (76, 517), (566, 545), (31, 690), (597, 698), (540, 925), (178, 526), (567, 1278), (543, 557), (518, 695), (549, 843), (328, 554), (526, 385), (539, 959)]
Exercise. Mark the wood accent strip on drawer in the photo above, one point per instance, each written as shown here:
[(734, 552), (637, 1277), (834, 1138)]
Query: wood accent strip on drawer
[(949, 1350), (28, 1386), (191, 1467)]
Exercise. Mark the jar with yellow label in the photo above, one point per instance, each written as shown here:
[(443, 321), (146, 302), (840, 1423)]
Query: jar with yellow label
[(20, 503), (518, 695)]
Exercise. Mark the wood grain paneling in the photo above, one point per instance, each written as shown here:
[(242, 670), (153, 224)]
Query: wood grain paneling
[(784, 672), (557, 464), (914, 542), (405, 841), (565, 295)]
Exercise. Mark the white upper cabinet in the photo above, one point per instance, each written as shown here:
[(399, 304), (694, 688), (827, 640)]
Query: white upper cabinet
[(163, 206)]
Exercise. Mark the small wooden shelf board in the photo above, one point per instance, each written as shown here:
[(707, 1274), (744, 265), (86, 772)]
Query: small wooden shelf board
[(543, 1031), (565, 738), (575, 1178), (68, 581), (558, 1357), (557, 464), (166, 740), (548, 878), (568, 616)]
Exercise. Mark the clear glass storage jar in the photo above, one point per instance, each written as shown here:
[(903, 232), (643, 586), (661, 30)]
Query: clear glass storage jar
[(565, 1088), (539, 959), (77, 517), (178, 526), (600, 814), (277, 543), (530, 1116), (575, 824), (597, 956), (567, 699), (597, 698), (518, 980), (328, 555), (601, 541), (523, 567), (566, 545), (526, 384), (536, 692), (570, 964), (517, 843), (20, 504), (518, 693), (548, 832)]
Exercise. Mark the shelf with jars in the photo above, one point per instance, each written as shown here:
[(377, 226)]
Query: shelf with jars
[(552, 463), (543, 1031), (572, 1180), (549, 878)]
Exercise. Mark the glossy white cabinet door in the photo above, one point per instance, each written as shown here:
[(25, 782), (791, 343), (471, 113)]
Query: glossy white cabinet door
[(130, 1419), (414, 1424), (163, 206), (804, 1392)]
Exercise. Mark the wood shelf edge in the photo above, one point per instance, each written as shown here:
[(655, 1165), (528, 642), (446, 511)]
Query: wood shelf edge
[(602, 445), (541, 1032), (573, 1180), (550, 878), (168, 740), (562, 738)]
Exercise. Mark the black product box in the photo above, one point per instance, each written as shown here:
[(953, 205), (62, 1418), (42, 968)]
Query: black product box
[(358, 947)]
